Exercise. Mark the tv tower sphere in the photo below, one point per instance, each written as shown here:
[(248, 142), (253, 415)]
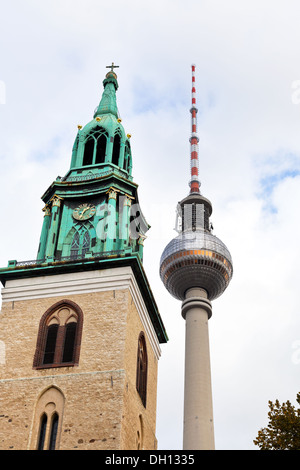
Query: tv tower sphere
[(196, 257), (196, 267)]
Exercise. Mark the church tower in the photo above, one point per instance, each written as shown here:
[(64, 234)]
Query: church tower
[(80, 331)]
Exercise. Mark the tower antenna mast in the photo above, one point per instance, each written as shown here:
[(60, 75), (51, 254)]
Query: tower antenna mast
[(194, 139)]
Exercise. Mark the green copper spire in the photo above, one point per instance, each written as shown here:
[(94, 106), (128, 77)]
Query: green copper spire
[(108, 103), (93, 211), (102, 145)]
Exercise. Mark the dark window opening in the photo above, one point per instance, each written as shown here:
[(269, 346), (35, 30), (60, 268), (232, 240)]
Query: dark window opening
[(116, 150), (53, 434), (50, 344), (101, 149), (56, 337), (59, 336), (142, 366), (70, 335), (43, 427), (88, 151)]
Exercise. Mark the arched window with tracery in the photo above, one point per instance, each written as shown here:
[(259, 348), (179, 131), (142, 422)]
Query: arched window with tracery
[(81, 244), (142, 369), (47, 420), (95, 147), (59, 336)]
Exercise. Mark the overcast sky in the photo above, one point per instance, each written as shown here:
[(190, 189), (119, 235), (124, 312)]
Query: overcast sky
[(53, 56)]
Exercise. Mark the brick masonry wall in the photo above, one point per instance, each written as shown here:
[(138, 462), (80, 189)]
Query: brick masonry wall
[(102, 409)]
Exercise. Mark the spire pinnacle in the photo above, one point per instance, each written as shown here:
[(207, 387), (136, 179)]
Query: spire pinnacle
[(194, 182), (112, 67), (108, 103)]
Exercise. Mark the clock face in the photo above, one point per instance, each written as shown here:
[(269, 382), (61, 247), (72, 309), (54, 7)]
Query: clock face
[(84, 211)]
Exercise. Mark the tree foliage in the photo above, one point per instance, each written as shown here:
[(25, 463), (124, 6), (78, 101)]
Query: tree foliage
[(283, 430)]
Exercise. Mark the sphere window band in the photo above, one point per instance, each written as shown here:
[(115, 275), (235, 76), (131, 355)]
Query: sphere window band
[(203, 267), (187, 262), (207, 253)]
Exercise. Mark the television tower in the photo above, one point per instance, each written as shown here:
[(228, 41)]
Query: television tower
[(196, 267)]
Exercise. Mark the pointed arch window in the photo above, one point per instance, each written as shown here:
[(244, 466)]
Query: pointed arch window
[(101, 148), (59, 336), (75, 246), (89, 151), (116, 149), (69, 341), (80, 244), (51, 339), (95, 147), (42, 433), (47, 421), (142, 369), (53, 431)]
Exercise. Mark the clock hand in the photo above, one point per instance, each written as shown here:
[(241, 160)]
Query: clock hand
[(81, 215)]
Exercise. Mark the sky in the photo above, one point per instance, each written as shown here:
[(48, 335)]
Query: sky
[(53, 56)]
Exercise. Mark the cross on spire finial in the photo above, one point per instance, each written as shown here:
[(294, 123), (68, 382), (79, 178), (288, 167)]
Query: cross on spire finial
[(112, 67)]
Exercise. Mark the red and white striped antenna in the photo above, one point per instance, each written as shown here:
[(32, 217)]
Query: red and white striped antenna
[(194, 182)]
